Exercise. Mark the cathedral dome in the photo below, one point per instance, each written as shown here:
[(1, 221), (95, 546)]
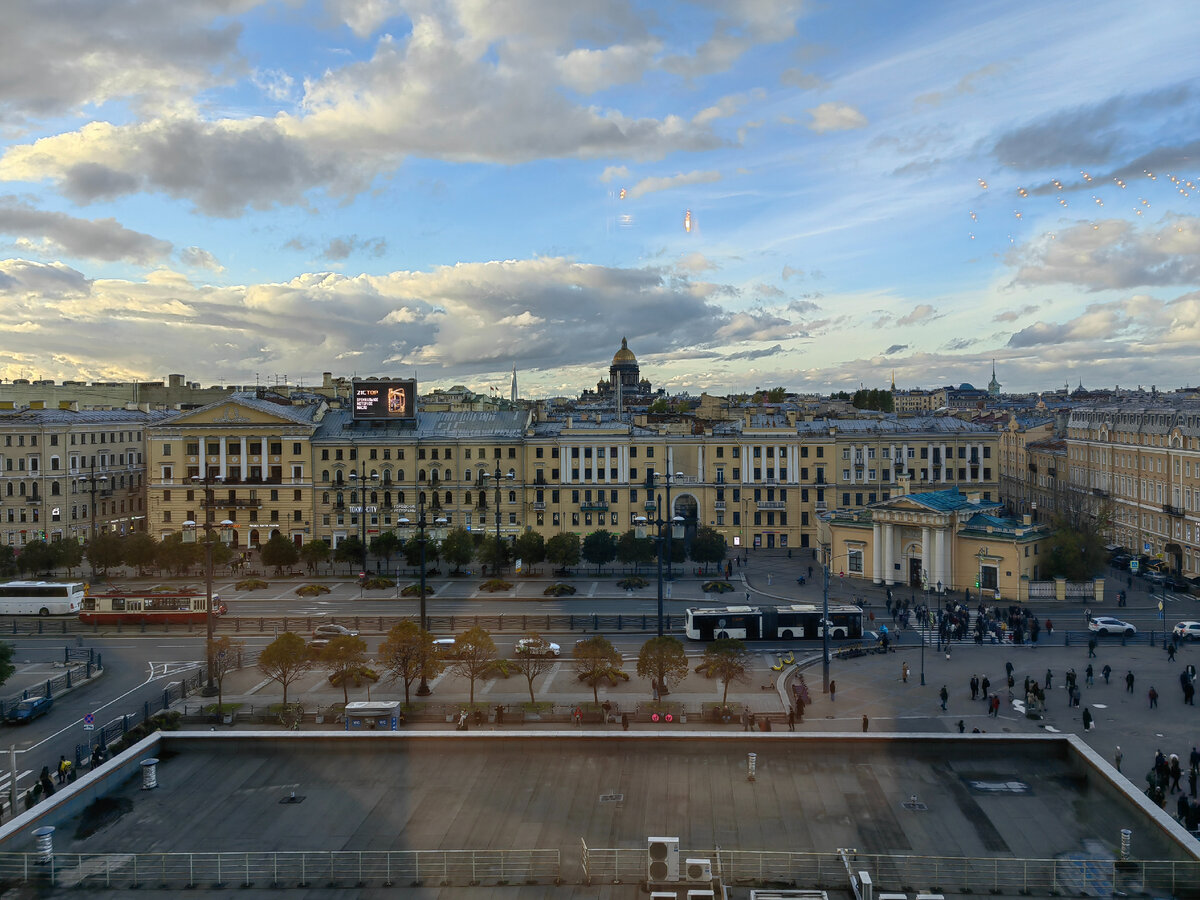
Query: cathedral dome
[(624, 355)]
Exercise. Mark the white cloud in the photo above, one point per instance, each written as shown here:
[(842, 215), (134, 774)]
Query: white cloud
[(665, 183), (612, 173), (56, 234), (835, 117)]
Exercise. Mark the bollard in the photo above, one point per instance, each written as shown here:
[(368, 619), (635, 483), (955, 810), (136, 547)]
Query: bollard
[(45, 844), (89, 668), (149, 774), (99, 660), (68, 678), (48, 692), (1126, 840), (751, 765)]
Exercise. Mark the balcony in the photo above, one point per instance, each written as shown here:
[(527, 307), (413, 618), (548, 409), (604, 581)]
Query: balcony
[(1100, 492), (771, 504), (1171, 510), (231, 503), (539, 504), (594, 506), (718, 505)]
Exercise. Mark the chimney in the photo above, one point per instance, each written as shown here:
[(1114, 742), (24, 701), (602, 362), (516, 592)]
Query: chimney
[(71, 405), (1027, 520)]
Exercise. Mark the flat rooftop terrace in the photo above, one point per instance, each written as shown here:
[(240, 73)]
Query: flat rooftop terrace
[(978, 797)]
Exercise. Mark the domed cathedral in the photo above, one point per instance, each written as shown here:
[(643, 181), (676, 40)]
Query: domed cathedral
[(624, 372)]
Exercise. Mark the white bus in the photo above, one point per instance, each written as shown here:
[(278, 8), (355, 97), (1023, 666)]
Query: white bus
[(41, 598)]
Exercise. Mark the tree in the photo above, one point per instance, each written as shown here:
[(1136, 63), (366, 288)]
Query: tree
[(661, 658), (493, 552), (8, 560), (285, 659), (408, 654), (225, 655), (658, 406), (36, 556), (598, 548), (708, 546), (314, 553), (530, 548), (139, 551), (458, 548), (6, 664), (534, 664), (280, 552), (562, 550), (350, 551), (345, 656), (634, 550), (476, 652), (597, 660), (104, 551), (386, 545), (1076, 554), (727, 660)]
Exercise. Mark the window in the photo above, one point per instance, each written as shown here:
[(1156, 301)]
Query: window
[(166, 449), (854, 561)]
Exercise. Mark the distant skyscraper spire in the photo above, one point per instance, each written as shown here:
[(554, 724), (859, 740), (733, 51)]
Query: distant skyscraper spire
[(994, 385), (512, 393)]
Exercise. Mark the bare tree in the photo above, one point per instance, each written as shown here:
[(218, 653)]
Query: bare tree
[(476, 651)]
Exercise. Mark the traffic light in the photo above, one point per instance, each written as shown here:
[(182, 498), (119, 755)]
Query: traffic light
[(976, 582)]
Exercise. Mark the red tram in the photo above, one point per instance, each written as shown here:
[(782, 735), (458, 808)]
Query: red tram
[(145, 608)]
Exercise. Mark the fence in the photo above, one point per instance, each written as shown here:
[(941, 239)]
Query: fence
[(301, 869), (913, 874), (635, 622)]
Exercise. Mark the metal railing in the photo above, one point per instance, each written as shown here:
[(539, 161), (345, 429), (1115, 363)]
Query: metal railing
[(246, 869), (80, 664), (913, 873)]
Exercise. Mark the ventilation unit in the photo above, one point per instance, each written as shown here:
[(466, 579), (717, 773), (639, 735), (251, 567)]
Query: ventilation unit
[(698, 870), (701, 895), (662, 859)]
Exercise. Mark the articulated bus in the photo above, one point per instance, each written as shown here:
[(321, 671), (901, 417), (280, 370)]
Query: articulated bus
[(41, 598), (146, 608), (800, 621)]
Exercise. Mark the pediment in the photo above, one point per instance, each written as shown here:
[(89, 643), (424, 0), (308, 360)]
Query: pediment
[(230, 413)]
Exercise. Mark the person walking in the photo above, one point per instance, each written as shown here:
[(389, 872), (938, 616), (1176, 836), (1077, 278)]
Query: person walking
[(1106, 671), (791, 720), (1117, 757), (1192, 783), (1049, 679), (1153, 695), (995, 706), (1129, 681), (1089, 674), (974, 687), (944, 695), (1092, 648), (866, 723), (1171, 652), (904, 671), (1008, 669), (832, 690), (1087, 719), (1176, 773)]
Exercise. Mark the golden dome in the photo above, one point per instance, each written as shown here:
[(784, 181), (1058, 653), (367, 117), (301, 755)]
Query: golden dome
[(624, 355)]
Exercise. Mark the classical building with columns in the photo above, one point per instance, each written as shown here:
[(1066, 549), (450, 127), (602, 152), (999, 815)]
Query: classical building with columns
[(936, 541)]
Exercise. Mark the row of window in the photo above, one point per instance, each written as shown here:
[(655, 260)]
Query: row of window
[(105, 437)]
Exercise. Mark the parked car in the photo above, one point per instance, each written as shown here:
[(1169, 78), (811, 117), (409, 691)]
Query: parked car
[(1187, 631), (1109, 625), (1176, 584), (28, 710), (537, 647), (1120, 561)]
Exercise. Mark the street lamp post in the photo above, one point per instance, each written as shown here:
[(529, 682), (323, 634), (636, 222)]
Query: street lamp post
[(92, 480), (660, 539), (360, 479), (423, 689), (497, 477), (207, 483)]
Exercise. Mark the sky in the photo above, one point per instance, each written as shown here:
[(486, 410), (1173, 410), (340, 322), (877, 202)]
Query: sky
[(755, 193)]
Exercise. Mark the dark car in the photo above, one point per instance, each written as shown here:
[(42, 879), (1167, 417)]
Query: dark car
[(1177, 585), (1120, 561), (28, 710)]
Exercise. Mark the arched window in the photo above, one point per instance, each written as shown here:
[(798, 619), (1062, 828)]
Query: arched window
[(421, 475), (375, 497), (387, 476), (422, 497), (54, 489), (353, 498), (387, 498), (512, 496), (325, 497), (467, 498), (341, 501), (447, 475), (399, 498), (399, 474), (449, 497)]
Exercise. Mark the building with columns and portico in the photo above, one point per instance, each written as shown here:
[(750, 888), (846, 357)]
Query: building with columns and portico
[(936, 541)]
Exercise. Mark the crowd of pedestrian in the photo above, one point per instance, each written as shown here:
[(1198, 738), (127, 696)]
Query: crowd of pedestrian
[(1163, 780)]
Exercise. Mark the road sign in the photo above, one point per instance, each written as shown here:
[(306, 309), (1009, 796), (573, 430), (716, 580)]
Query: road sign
[(1133, 566), (89, 722)]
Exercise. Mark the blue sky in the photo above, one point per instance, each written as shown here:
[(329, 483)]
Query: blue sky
[(754, 192)]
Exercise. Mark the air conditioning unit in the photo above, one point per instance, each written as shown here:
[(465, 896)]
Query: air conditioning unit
[(701, 895), (698, 869), (662, 859)]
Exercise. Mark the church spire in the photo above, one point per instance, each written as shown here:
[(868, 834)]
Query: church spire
[(512, 391)]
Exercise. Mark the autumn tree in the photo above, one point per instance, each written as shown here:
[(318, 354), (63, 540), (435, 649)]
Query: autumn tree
[(457, 548), (562, 550), (279, 552), (725, 659), (535, 662), (475, 651), (285, 659), (345, 656), (597, 660), (224, 655), (408, 654), (661, 658)]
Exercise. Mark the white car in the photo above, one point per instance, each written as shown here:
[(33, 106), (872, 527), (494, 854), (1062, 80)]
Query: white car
[(446, 648), (536, 647), (1109, 625), (1189, 631), (329, 631)]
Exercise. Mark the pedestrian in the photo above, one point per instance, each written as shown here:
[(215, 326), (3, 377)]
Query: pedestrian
[(1153, 695), (1194, 759), (810, 573), (1087, 617), (1106, 671), (1008, 669), (994, 706), (983, 687), (1092, 648), (1087, 719), (745, 720), (865, 723), (1088, 674), (944, 695), (1175, 772), (770, 577), (791, 720), (1129, 681), (624, 721), (1049, 679), (1117, 757), (974, 687), (1171, 652), (832, 690), (962, 726), (63, 767), (45, 781), (1192, 782), (1049, 627), (904, 671)]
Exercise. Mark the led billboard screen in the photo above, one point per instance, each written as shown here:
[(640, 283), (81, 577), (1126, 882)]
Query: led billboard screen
[(385, 399)]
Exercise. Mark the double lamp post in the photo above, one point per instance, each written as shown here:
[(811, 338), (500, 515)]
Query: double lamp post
[(663, 537), (207, 482)]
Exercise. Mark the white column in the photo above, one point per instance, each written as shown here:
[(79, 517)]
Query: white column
[(775, 473), (700, 464), (222, 465), (877, 553), (926, 554), (889, 554), (943, 574)]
